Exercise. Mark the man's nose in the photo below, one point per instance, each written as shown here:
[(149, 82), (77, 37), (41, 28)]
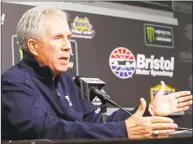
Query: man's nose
[(66, 49), (66, 46)]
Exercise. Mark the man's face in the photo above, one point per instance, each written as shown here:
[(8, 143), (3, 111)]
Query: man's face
[(54, 50)]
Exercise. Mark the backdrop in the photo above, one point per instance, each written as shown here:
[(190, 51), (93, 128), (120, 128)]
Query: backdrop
[(131, 56)]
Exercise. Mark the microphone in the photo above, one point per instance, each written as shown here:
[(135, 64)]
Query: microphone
[(89, 81), (86, 83), (92, 87)]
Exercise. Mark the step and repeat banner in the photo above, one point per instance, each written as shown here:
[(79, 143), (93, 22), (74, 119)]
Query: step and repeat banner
[(131, 56)]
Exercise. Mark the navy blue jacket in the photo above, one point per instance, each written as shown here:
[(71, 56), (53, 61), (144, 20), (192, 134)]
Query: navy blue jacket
[(36, 107)]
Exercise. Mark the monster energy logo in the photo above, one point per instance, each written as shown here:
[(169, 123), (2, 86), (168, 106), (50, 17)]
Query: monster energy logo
[(158, 36), (150, 34)]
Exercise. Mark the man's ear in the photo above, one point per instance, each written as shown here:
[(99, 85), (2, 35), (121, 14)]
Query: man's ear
[(33, 46)]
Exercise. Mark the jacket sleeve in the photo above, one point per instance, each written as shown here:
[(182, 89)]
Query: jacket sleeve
[(22, 109), (92, 116), (117, 116)]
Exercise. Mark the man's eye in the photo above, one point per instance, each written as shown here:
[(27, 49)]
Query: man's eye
[(57, 38), (69, 37)]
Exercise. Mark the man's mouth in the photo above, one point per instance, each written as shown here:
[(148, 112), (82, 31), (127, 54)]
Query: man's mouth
[(64, 60)]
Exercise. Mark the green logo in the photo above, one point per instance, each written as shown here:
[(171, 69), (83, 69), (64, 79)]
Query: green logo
[(20, 53), (150, 34)]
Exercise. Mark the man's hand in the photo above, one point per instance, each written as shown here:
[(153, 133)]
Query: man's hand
[(139, 127), (163, 105)]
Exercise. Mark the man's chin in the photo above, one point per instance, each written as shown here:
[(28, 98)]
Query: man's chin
[(63, 70)]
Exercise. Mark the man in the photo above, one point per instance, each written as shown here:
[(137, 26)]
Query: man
[(35, 92)]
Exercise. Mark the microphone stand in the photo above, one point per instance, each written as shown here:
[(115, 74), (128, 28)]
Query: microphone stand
[(104, 111), (103, 107)]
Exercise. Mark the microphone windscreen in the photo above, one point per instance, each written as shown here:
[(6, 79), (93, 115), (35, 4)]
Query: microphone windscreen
[(77, 80)]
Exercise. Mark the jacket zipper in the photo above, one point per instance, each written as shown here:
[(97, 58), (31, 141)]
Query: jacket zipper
[(57, 92)]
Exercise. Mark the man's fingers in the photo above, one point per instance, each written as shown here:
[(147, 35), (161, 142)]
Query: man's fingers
[(141, 133), (180, 93), (157, 119), (141, 109), (165, 136), (185, 98), (162, 89), (149, 126), (166, 132), (182, 109), (164, 126), (183, 104)]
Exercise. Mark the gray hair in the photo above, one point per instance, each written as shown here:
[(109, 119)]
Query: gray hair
[(30, 25)]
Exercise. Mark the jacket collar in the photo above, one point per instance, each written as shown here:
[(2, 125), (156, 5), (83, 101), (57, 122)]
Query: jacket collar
[(35, 68)]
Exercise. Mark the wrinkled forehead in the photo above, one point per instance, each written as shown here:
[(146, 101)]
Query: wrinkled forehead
[(54, 24)]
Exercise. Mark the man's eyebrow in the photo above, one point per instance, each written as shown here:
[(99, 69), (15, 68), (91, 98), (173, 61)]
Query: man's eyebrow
[(63, 34), (59, 34)]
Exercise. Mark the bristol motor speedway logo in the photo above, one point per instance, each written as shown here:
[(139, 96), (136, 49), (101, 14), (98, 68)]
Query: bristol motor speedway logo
[(154, 90), (124, 64)]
